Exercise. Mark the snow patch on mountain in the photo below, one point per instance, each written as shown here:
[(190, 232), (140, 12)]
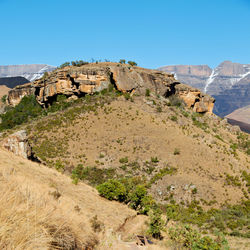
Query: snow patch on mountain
[(210, 79), (32, 76)]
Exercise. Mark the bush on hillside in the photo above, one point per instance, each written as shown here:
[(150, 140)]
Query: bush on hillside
[(135, 195), (112, 190), (156, 224), (132, 63), (122, 61), (191, 239)]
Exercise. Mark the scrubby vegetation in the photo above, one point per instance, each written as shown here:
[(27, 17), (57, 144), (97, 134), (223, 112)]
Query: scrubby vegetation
[(189, 238), (28, 108)]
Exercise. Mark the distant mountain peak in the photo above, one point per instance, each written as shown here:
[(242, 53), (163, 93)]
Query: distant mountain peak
[(222, 82), (29, 71)]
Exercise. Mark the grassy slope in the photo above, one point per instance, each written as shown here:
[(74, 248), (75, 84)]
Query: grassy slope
[(32, 216), (104, 134), (120, 129)]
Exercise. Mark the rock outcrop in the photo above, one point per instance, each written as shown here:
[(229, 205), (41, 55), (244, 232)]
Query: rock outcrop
[(91, 78), (17, 143)]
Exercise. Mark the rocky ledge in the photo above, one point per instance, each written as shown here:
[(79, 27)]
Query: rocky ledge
[(91, 78)]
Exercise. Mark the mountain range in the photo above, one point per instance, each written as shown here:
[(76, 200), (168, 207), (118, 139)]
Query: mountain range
[(29, 71), (229, 83)]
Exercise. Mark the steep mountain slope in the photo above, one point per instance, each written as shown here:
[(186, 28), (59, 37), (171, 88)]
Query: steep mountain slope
[(12, 82), (241, 117), (42, 209), (29, 71), (229, 83), (145, 128)]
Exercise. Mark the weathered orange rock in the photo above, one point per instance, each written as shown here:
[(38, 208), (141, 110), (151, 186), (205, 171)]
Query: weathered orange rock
[(93, 78)]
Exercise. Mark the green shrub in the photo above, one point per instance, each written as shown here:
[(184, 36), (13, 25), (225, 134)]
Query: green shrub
[(173, 118), (147, 93), (190, 238), (64, 65), (124, 160), (112, 190), (132, 63), (138, 199), (162, 173), (27, 108), (156, 224), (93, 175), (122, 61)]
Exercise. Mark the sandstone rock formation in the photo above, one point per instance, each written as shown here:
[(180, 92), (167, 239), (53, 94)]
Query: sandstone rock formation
[(91, 78), (17, 143)]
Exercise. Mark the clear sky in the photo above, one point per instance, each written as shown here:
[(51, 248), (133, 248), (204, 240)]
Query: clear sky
[(151, 32)]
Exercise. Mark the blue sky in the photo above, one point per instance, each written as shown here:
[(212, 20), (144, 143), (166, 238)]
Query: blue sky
[(151, 32)]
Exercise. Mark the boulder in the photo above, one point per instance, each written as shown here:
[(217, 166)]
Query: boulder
[(18, 144)]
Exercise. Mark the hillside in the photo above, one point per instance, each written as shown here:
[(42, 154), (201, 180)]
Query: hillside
[(229, 83), (146, 131), (42, 209), (12, 82)]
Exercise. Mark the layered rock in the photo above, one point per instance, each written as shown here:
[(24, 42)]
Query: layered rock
[(93, 78), (195, 99)]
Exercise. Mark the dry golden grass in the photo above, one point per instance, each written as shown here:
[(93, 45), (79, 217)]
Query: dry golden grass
[(3, 91), (42, 209), (135, 130)]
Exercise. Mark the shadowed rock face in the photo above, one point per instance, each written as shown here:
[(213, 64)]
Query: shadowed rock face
[(91, 78), (12, 82)]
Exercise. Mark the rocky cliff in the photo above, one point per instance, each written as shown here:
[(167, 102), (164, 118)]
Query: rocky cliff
[(229, 83), (91, 78), (28, 71)]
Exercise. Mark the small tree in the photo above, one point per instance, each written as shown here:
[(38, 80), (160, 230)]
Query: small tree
[(132, 63), (122, 61)]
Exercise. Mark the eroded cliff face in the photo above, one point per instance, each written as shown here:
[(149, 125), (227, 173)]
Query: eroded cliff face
[(91, 78)]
